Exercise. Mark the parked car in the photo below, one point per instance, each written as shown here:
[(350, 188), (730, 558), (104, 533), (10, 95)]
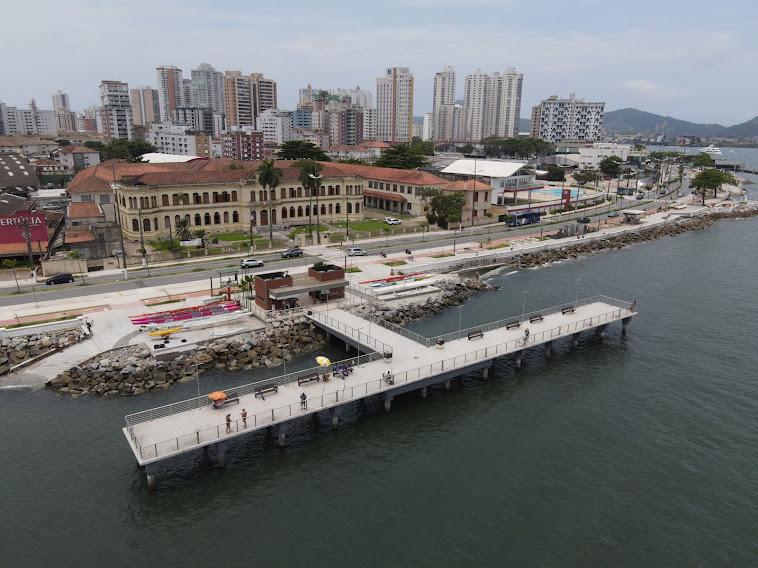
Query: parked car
[(584, 220), (613, 214), (61, 278), (356, 251), (250, 262), (392, 221), (640, 196), (293, 252)]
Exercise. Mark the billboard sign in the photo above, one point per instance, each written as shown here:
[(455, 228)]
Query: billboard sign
[(12, 227)]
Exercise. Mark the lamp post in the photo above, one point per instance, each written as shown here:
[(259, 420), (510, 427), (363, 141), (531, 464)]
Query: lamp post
[(317, 179), (523, 302), (121, 236)]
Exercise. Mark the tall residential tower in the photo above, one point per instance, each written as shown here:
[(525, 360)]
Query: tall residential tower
[(394, 105)]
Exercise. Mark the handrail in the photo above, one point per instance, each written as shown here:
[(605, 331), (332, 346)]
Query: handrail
[(354, 333), (373, 386)]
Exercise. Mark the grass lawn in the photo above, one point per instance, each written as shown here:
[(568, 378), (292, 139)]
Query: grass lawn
[(304, 229), (443, 255), (395, 263), (235, 236), (501, 245), (353, 269), (364, 225)]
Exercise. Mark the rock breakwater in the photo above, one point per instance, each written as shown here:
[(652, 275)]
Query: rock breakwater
[(14, 350)]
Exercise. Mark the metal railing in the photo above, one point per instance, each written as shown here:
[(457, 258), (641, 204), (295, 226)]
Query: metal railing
[(374, 386), (43, 327), (350, 331)]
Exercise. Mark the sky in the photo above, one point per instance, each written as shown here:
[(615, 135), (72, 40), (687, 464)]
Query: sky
[(693, 60)]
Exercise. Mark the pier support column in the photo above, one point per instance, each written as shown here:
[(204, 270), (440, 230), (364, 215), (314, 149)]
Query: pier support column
[(150, 478), (519, 359), (281, 436), (424, 392), (347, 347), (624, 324), (575, 340), (447, 384), (335, 413), (220, 454), (387, 402), (600, 330), (486, 372), (548, 348)]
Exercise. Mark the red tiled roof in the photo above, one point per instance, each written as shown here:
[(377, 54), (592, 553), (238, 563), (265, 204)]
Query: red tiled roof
[(83, 210), (13, 249), (467, 185), (388, 195), (44, 162), (78, 235), (374, 144), (77, 150), (410, 177)]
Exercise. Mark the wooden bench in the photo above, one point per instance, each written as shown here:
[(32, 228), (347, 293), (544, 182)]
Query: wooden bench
[(232, 398), (263, 391), (535, 318), (568, 310), (512, 324), (477, 333), (308, 379)]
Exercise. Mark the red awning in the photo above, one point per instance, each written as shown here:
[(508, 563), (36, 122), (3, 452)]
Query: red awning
[(385, 195)]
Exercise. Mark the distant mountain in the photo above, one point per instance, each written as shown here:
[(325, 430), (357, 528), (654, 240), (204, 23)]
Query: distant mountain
[(634, 121)]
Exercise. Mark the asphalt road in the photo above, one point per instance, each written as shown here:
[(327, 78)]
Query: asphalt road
[(179, 273)]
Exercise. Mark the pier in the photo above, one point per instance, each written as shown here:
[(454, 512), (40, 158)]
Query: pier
[(390, 361)]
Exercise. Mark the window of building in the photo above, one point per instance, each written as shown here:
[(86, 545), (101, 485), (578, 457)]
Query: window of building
[(226, 217), (216, 218), (146, 225), (207, 219), (198, 219), (135, 225), (235, 217)]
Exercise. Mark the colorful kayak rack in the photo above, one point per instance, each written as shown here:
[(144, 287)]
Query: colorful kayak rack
[(189, 313)]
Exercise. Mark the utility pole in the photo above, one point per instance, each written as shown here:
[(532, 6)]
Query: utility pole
[(28, 238), (142, 243)]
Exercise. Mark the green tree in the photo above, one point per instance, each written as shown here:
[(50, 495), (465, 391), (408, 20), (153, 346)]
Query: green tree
[(129, 150), (201, 234), (466, 148), (711, 179), (269, 177), (63, 142), (301, 150), (10, 264), (611, 166), (703, 160), (423, 147), (401, 156), (523, 148), (586, 176), (182, 230), (308, 171), (445, 207), (554, 173)]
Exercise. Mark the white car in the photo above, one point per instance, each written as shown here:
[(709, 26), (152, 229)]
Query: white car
[(250, 262), (392, 221), (356, 251)]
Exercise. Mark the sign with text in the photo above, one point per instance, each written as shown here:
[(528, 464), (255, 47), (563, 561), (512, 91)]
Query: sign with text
[(566, 198), (12, 227)]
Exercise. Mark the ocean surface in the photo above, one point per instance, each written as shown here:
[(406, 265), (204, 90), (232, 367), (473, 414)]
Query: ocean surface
[(637, 451)]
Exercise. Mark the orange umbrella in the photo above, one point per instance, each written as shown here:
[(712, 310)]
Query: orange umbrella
[(217, 395)]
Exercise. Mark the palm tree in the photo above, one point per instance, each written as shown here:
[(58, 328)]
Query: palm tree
[(269, 177), (307, 169), (183, 231)]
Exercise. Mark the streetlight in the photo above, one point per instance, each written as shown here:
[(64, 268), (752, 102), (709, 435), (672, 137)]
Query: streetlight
[(460, 311), (576, 289), (317, 179), (523, 302)]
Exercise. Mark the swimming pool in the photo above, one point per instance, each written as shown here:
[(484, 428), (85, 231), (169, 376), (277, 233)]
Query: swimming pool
[(550, 193)]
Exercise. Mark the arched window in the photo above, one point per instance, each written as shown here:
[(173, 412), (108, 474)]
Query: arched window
[(323, 190), (226, 217), (123, 202), (284, 212), (283, 193), (292, 212), (273, 216), (197, 199), (224, 196), (261, 195), (187, 219), (135, 225), (164, 199), (299, 191), (167, 222), (155, 223), (357, 208), (272, 195), (307, 210), (349, 207), (198, 219), (336, 190), (207, 219), (235, 217), (323, 209), (331, 190), (186, 199), (293, 193), (337, 209), (205, 198), (215, 197), (252, 196), (264, 217), (146, 225), (177, 219), (216, 218), (234, 196), (300, 211), (330, 209)]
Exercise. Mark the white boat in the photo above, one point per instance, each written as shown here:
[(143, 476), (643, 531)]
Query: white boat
[(712, 150)]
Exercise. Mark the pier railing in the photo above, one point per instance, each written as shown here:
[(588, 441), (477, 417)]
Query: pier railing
[(249, 388), (375, 386), (355, 333)]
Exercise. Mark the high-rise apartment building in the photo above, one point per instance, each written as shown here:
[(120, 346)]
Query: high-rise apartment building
[(426, 126), (60, 101), (265, 93), (444, 94), (27, 121), (276, 126), (170, 90), (358, 97), (242, 143), (114, 117), (394, 105), (491, 105), (198, 119), (556, 120), (369, 124), (238, 99), (178, 139), (145, 106), (450, 126), (207, 88)]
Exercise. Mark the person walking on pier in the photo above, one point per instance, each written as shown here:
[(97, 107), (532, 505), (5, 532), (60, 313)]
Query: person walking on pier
[(526, 335), (244, 418), (303, 402), (228, 423)]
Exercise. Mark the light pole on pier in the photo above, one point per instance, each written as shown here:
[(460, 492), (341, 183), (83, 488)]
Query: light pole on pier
[(523, 302)]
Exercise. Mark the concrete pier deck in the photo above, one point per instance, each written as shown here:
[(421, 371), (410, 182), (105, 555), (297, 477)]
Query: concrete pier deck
[(413, 361)]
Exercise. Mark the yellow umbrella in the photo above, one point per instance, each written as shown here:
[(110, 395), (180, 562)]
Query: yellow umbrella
[(323, 361), (217, 395)]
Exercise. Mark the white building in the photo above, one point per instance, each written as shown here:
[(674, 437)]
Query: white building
[(556, 120), (114, 117), (170, 90), (28, 121), (177, 139), (444, 94), (492, 104), (207, 88), (590, 155), (76, 158), (394, 105), (276, 126), (426, 126), (369, 124), (359, 97)]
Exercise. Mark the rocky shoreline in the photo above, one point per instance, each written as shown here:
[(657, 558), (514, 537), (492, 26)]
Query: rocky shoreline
[(15, 350), (133, 370)]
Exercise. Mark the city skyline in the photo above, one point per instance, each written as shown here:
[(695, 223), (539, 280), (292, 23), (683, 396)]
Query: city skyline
[(625, 58)]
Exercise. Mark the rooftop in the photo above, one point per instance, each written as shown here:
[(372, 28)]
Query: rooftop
[(159, 158), (83, 210), (485, 168), (77, 150), (467, 185)]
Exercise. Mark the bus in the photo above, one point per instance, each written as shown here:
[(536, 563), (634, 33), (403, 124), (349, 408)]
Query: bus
[(527, 218)]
